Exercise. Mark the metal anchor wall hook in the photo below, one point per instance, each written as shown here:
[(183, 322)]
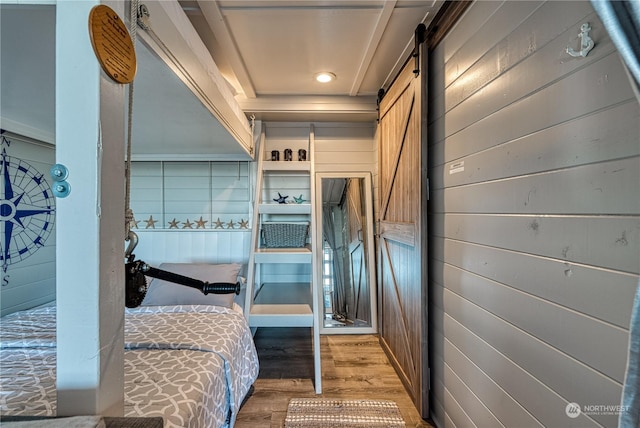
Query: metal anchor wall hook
[(587, 42)]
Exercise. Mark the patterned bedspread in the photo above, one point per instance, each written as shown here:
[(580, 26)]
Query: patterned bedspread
[(192, 365)]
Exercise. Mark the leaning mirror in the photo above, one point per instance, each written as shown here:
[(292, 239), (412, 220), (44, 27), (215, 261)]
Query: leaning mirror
[(344, 247)]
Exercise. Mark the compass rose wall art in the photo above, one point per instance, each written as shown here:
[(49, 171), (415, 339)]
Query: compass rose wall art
[(27, 220)]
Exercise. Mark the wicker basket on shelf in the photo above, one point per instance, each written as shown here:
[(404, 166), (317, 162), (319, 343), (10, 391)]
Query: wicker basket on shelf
[(284, 235)]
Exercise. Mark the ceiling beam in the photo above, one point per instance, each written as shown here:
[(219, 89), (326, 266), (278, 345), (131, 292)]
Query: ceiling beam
[(332, 108), (374, 40), (213, 15), (309, 103)]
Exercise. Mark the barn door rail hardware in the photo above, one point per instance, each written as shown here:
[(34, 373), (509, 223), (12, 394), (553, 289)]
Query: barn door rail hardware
[(419, 38)]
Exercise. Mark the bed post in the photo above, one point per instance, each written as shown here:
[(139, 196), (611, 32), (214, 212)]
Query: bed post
[(90, 132)]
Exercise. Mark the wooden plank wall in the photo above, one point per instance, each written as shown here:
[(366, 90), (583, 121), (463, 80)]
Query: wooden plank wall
[(534, 218)]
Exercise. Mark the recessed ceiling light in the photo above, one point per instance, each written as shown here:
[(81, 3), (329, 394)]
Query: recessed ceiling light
[(325, 77)]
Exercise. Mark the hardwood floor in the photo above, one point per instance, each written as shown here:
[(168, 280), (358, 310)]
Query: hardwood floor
[(353, 367)]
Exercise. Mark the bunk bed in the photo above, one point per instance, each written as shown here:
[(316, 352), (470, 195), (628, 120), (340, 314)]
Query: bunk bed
[(191, 363), (177, 80)]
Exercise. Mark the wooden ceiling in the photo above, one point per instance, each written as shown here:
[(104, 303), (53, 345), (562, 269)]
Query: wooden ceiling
[(270, 50)]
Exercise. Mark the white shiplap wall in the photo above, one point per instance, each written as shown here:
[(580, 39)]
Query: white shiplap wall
[(193, 246), (345, 147), (535, 218), (182, 193), (177, 194)]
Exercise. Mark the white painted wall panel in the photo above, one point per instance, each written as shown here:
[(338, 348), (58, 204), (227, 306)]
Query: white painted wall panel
[(181, 246), (345, 148), (33, 293), (535, 218), (286, 184)]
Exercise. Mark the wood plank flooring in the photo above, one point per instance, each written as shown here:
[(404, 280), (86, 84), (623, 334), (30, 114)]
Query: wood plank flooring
[(353, 367)]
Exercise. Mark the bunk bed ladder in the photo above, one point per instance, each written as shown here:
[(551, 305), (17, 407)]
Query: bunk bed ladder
[(273, 299)]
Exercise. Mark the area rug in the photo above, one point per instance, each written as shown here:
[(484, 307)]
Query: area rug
[(328, 413)]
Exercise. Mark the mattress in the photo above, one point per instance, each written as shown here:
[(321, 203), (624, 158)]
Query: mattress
[(192, 365)]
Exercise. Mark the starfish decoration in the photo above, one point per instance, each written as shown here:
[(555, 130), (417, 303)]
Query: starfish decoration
[(231, 224), (173, 224), (151, 223), (244, 224), (298, 200), (187, 224), (134, 223), (281, 199), (219, 224), (200, 223)]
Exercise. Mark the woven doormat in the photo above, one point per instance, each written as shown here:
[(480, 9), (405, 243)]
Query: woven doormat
[(328, 413)]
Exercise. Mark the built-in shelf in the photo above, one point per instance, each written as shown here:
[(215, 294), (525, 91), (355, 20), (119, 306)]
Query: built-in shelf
[(283, 255), (286, 166), (275, 303), (282, 305), (285, 208), (280, 315)]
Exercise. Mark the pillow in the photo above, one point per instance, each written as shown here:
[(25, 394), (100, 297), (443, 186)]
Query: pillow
[(163, 292)]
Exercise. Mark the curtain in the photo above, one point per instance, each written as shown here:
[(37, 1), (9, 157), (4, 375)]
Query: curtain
[(338, 298), (630, 403), (622, 21)]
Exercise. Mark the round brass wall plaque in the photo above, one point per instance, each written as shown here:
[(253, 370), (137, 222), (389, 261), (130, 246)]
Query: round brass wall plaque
[(112, 44)]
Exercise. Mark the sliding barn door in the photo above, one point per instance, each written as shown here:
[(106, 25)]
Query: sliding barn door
[(402, 269)]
